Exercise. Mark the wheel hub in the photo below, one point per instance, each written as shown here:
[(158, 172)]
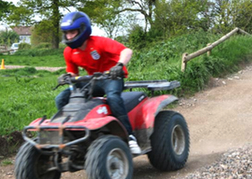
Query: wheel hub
[(117, 164), (178, 140)]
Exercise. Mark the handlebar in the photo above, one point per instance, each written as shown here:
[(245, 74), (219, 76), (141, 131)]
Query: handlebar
[(87, 78), (150, 85), (95, 76)]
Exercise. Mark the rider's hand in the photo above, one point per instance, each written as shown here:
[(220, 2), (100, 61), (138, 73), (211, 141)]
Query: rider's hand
[(117, 71), (63, 78)]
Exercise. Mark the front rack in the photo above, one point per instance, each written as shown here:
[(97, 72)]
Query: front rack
[(59, 137)]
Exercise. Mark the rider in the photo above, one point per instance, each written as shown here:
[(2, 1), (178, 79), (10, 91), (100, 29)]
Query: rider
[(96, 54)]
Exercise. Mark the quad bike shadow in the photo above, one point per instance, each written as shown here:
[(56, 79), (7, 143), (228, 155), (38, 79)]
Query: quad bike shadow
[(84, 135)]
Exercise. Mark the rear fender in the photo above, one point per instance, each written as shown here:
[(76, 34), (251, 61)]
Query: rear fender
[(145, 116), (142, 118)]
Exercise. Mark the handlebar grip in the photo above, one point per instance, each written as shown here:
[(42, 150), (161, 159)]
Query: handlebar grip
[(80, 78)]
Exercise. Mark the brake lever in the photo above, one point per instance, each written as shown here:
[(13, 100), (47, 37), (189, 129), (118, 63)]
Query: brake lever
[(57, 86)]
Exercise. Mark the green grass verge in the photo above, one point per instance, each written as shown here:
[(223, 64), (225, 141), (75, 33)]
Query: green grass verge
[(26, 94), (35, 58)]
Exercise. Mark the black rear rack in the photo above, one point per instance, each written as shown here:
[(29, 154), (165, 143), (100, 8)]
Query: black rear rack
[(153, 85)]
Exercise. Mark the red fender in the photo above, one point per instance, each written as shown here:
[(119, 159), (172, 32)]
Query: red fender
[(109, 122), (93, 123), (99, 112), (143, 116)]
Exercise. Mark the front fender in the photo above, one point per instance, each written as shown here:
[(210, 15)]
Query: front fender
[(108, 123)]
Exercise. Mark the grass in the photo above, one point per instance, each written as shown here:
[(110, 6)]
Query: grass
[(36, 58), (6, 162), (26, 94)]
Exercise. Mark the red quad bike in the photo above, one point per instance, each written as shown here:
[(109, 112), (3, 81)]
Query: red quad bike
[(84, 135)]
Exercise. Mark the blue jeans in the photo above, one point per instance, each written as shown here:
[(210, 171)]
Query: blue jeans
[(113, 90)]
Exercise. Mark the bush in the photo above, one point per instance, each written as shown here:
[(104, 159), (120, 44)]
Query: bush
[(137, 37), (44, 45), (24, 46), (62, 45), (39, 52)]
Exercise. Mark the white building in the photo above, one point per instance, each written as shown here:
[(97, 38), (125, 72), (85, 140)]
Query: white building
[(24, 33)]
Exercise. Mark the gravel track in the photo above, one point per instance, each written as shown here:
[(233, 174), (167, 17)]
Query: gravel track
[(236, 163)]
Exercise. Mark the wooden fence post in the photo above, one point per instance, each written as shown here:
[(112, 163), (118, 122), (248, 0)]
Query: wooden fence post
[(209, 52), (184, 61)]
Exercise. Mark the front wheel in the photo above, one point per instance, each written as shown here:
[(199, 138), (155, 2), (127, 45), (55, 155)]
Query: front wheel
[(170, 142), (32, 164), (109, 157)]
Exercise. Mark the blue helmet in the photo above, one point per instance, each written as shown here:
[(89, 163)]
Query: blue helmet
[(79, 21)]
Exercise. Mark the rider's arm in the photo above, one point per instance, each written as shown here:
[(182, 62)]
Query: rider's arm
[(116, 49), (125, 56)]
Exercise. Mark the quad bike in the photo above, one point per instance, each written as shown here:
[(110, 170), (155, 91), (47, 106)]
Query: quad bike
[(84, 135)]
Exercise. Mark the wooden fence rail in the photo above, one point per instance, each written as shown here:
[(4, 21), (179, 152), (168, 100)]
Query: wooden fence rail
[(187, 57), (4, 49)]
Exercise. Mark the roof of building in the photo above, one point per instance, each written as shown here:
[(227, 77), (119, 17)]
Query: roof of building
[(22, 30)]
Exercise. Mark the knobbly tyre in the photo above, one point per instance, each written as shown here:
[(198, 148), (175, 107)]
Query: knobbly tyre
[(84, 135)]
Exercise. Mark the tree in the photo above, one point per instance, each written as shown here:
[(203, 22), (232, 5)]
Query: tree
[(207, 15), (162, 17), (243, 15), (137, 37), (31, 12), (104, 13), (100, 12), (42, 33), (4, 8), (177, 17), (223, 20), (144, 7), (232, 13), (8, 37), (111, 14)]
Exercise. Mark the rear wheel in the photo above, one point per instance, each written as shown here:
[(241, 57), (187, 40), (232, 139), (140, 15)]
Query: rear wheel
[(32, 164), (109, 157), (169, 141)]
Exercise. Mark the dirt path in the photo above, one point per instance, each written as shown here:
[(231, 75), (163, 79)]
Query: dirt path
[(37, 68), (219, 119)]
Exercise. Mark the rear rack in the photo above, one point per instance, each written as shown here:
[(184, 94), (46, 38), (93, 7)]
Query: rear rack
[(153, 85)]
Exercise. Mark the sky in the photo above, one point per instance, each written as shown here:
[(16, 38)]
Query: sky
[(95, 30)]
